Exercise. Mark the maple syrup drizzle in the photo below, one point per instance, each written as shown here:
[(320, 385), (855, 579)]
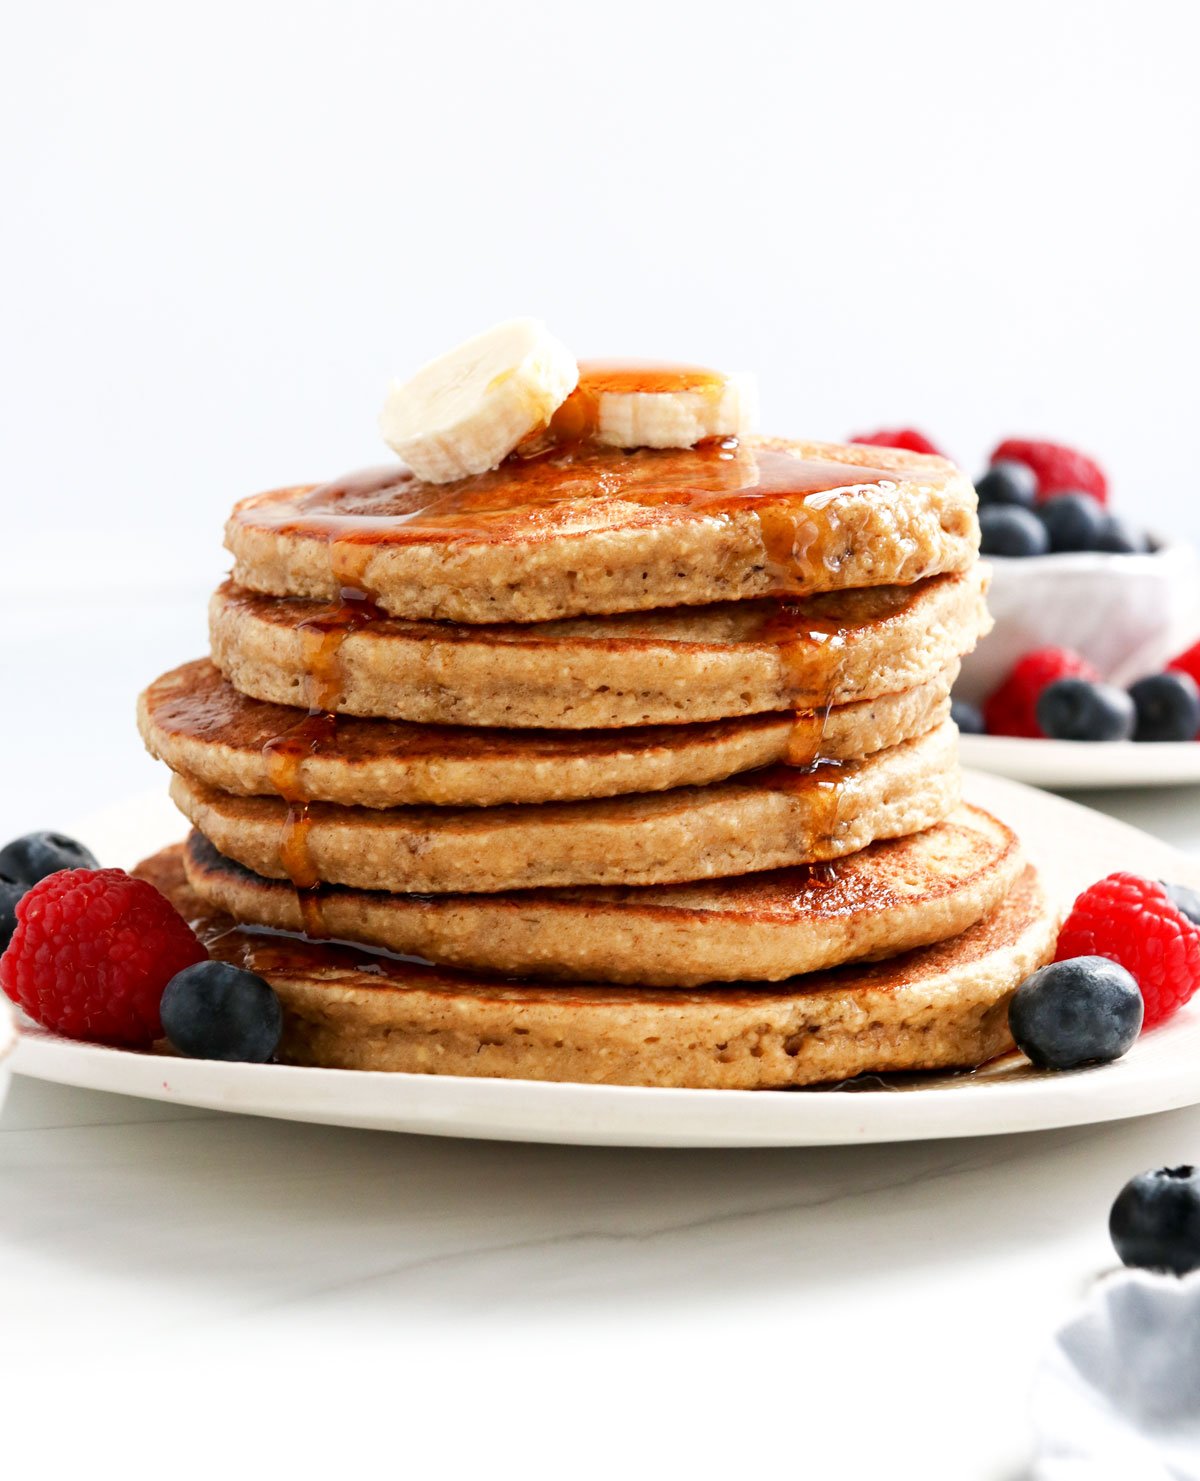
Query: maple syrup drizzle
[(284, 755), (822, 783), (795, 501), (577, 420), (536, 493), (809, 650)]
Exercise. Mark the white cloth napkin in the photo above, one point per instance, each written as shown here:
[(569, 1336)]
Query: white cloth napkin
[(1117, 1396)]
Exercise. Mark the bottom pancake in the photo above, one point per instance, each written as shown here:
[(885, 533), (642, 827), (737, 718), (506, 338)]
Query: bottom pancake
[(940, 1007), (888, 898)]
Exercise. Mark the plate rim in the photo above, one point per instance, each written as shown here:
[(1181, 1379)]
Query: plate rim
[(1062, 760), (659, 1116), (961, 1107)]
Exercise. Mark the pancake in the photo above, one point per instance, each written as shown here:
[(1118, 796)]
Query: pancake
[(939, 1007), (683, 665), (888, 898), (199, 724), (604, 530), (770, 819)]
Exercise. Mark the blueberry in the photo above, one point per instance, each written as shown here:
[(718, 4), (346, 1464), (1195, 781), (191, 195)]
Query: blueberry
[(1004, 529), (1167, 706), (1084, 1011), (1075, 709), (1072, 521), (11, 891), (36, 855), (1008, 482), (968, 717), (215, 1011), (1119, 538), (1185, 900), (1155, 1222)]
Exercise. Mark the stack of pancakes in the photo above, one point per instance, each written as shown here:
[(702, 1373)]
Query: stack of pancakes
[(603, 766)]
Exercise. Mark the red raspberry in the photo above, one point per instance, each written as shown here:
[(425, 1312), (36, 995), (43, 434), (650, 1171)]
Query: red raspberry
[(1058, 468), (1188, 662), (1012, 709), (902, 437), (1132, 921), (92, 952)]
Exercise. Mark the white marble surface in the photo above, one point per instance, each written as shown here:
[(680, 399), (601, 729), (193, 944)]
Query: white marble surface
[(405, 1301)]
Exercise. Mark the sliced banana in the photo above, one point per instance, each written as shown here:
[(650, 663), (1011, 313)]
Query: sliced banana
[(703, 404), (464, 412)]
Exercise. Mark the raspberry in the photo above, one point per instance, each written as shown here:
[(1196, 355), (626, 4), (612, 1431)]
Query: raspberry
[(1133, 921), (902, 437), (1012, 709), (1188, 662), (92, 952), (1058, 469)]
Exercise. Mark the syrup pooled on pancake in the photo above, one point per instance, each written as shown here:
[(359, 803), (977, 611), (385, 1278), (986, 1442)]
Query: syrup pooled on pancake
[(536, 498)]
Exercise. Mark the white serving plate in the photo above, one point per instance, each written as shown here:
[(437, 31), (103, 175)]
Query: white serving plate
[(8, 1043), (1072, 845), (1075, 765)]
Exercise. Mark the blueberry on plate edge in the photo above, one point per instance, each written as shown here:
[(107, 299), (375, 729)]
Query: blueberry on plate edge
[(1155, 1221), (1185, 900), (1079, 710), (35, 855), (1086, 1010), (11, 891), (1167, 707), (213, 1010)]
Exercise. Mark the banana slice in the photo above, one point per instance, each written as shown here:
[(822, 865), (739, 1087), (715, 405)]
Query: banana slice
[(666, 405), (464, 412)]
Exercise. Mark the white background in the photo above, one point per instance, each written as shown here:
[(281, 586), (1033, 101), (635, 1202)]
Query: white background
[(224, 227), (228, 224)]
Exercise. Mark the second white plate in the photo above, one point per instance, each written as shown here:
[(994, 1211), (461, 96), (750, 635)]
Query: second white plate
[(1076, 765)]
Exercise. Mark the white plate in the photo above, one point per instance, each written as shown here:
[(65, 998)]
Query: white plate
[(1073, 765), (1072, 845), (8, 1040)]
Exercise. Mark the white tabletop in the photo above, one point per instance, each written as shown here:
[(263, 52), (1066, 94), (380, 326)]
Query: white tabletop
[(447, 1303)]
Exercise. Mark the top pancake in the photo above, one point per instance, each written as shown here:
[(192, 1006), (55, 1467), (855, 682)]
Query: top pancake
[(602, 530)]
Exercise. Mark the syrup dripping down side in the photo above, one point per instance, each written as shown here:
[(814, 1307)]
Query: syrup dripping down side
[(794, 500), (284, 755), (809, 651)]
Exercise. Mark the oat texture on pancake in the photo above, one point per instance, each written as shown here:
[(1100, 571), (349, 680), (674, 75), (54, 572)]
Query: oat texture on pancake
[(597, 737)]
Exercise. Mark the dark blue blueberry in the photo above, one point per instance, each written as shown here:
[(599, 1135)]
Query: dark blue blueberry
[(1008, 482), (1167, 706), (36, 855), (1084, 1011), (1075, 709), (1155, 1222), (11, 891), (968, 717), (1072, 521), (1004, 529), (215, 1011), (1185, 900), (1118, 538)]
